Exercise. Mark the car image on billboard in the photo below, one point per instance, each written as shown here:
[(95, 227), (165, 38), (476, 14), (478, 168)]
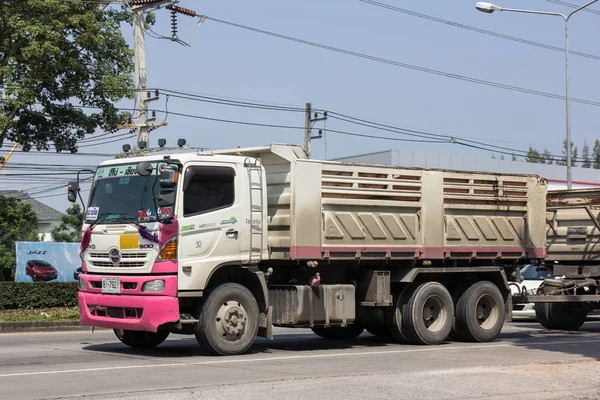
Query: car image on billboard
[(47, 262)]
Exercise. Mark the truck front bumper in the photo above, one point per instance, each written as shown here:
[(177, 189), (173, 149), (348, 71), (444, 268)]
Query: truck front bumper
[(136, 312)]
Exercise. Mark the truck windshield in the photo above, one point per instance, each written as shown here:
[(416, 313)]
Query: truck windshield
[(119, 194)]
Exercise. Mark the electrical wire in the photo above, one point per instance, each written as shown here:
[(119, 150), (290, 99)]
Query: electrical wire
[(571, 5), (478, 30), (406, 65)]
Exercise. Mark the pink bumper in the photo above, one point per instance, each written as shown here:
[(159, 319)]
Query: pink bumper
[(139, 312)]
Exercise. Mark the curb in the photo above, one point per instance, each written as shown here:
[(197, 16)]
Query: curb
[(43, 326)]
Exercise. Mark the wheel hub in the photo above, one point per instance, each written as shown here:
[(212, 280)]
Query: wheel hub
[(486, 311), (231, 320), (434, 313)]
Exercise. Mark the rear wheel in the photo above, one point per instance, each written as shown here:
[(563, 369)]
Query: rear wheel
[(228, 320), (427, 314), (141, 339), (560, 316), (480, 313), (339, 333)]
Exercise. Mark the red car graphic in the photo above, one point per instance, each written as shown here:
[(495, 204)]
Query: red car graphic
[(40, 270)]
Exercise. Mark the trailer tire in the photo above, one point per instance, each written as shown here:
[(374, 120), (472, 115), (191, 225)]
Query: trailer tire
[(394, 315), (559, 316), (339, 333), (428, 315), (141, 339), (228, 320), (480, 313)]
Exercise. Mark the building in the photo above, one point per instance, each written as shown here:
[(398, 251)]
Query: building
[(48, 217), (555, 174)]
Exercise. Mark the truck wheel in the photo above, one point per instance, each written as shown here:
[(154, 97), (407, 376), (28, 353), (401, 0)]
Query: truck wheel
[(339, 333), (559, 316), (228, 320), (394, 315), (428, 315), (479, 313), (141, 339)]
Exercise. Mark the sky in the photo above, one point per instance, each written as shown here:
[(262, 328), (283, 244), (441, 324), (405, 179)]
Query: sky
[(229, 62)]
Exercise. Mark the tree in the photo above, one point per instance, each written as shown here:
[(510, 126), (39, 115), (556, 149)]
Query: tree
[(596, 155), (547, 157), (18, 222), (55, 58), (563, 160), (514, 158), (587, 163), (533, 156), (69, 229)]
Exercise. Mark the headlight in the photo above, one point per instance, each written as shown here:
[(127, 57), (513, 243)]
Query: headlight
[(157, 285), (82, 284)]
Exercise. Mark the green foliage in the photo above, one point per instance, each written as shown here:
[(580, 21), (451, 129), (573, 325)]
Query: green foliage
[(69, 229), (18, 222), (587, 162), (56, 57), (563, 160), (596, 155), (28, 295), (534, 156)]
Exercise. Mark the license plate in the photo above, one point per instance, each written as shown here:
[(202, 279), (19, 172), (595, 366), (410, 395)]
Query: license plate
[(129, 241), (111, 285)]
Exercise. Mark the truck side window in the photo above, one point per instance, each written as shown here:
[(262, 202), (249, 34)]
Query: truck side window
[(207, 189)]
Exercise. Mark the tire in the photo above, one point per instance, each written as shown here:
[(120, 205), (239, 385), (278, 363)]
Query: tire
[(339, 333), (394, 315), (428, 315), (559, 316), (228, 320), (480, 313), (381, 331), (141, 339)]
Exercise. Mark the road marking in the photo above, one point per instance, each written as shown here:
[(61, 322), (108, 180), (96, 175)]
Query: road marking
[(230, 360)]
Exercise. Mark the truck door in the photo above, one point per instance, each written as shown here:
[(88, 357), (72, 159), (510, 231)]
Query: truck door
[(211, 215)]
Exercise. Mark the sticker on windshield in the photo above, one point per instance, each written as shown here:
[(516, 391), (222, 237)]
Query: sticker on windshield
[(92, 213)]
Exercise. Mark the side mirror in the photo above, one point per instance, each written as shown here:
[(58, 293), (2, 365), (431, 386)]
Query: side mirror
[(169, 175), (73, 189), (144, 168)]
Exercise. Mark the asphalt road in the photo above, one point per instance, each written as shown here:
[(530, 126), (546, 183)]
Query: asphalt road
[(527, 362)]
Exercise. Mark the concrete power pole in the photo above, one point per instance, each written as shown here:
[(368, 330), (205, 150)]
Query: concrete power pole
[(142, 122), (308, 125)]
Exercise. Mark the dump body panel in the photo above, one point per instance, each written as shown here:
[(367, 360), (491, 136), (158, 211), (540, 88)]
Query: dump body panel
[(333, 210), (573, 228)]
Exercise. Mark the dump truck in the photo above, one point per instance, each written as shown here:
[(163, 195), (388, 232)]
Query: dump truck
[(227, 244), (564, 300)]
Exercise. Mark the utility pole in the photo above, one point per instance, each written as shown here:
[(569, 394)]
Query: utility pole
[(308, 125), (143, 124)]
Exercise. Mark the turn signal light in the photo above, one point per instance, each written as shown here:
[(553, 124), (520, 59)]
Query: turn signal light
[(169, 250)]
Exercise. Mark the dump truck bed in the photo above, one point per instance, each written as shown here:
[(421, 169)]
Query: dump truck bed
[(573, 228), (334, 210)]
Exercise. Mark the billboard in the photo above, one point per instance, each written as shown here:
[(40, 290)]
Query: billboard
[(46, 261)]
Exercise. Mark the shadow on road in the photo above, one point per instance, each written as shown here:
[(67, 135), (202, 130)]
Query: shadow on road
[(529, 334)]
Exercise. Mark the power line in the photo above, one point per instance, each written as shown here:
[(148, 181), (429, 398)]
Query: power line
[(571, 5), (406, 65), (478, 30)]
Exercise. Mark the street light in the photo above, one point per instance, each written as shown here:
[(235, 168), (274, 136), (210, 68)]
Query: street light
[(490, 8)]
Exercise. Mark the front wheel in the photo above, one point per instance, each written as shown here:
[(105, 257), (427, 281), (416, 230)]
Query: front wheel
[(141, 339), (228, 320)]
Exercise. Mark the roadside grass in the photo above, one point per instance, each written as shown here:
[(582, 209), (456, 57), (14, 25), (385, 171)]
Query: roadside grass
[(41, 314)]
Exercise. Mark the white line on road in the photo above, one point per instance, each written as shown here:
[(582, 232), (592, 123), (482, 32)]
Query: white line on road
[(298, 357)]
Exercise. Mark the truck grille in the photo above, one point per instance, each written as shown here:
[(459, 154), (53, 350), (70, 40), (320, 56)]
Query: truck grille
[(128, 260)]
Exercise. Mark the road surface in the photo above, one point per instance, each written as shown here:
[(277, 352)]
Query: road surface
[(527, 362)]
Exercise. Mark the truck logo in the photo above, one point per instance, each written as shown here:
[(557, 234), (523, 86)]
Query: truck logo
[(114, 256), (146, 246), (232, 221)]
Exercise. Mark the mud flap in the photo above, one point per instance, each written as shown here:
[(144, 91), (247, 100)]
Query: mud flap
[(265, 328)]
